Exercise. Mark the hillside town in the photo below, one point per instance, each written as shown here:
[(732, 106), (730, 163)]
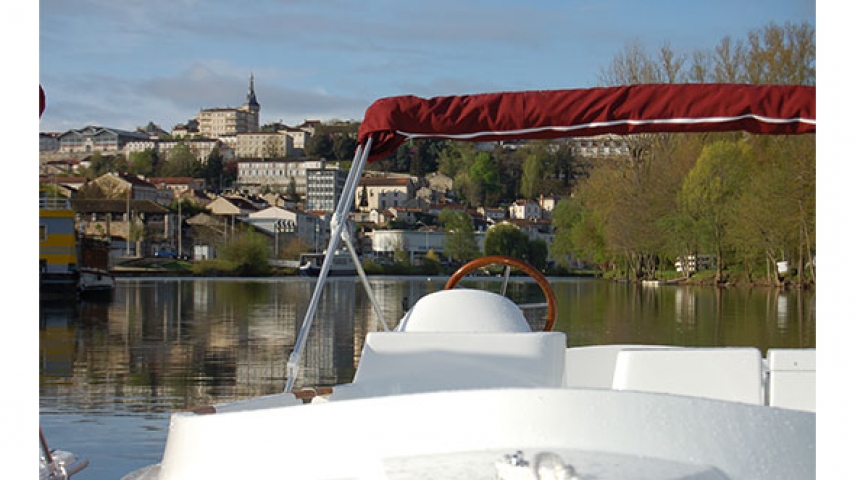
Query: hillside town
[(266, 180)]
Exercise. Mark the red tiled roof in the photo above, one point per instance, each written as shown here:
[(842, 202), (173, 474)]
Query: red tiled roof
[(384, 181)]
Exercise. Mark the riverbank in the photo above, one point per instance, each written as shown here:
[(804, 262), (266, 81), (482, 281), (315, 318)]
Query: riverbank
[(706, 278), (152, 266), (167, 267)]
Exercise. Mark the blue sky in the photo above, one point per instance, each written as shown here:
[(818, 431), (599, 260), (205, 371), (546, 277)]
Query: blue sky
[(122, 64)]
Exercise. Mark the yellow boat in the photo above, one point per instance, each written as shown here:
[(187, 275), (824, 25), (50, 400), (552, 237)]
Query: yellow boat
[(58, 271)]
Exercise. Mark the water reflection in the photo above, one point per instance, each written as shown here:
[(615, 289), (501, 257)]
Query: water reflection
[(112, 371), (170, 344), (684, 302), (782, 310)]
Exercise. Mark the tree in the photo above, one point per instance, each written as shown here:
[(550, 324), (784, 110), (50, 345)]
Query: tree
[(212, 172), (532, 176), (456, 158), (781, 54), (229, 173), (507, 240), (485, 177), (291, 191), (538, 253), (363, 197), (247, 252), (187, 207), (710, 192), (343, 147), (182, 162), (99, 164), (319, 145), (776, 218), (460, 241), (428, 153), (142, 163)]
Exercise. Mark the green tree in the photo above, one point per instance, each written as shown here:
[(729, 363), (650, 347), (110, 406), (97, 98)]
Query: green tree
[(120, 163), (533, 174), (142, 163), (291, 191), (506, 239), (99, 164), (182, 162), (485, 176), (229, 173), (247, 253), (212, 172), (538, 253), (456, 158), (776, 218), (460, 243), (188, 208), (427, 156), (710, 193), (431, 264), (319, 145), (344, 147)]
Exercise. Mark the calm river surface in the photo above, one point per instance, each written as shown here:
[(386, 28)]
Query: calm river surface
[(111, 371)]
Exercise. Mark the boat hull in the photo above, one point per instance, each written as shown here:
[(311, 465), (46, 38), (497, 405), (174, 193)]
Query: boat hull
[(313, 271), (95, 283), (366, 438)]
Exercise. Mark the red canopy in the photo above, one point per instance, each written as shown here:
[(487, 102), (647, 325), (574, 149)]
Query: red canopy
[(760, 109)]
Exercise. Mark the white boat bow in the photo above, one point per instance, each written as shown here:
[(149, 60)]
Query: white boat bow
[(427, 403)]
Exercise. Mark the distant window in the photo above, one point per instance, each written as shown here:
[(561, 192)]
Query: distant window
[(42, 233)]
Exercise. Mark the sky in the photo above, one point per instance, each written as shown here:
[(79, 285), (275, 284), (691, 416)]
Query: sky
[(122, 64)]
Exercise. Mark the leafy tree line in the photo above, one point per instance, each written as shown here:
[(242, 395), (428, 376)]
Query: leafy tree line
[(748, 200), (493, 177), (182, 161)]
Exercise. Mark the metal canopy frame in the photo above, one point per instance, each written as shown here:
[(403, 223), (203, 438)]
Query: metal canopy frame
[(339, 233)]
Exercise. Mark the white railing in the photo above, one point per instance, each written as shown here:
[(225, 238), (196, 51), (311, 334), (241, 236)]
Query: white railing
[(53, 203)]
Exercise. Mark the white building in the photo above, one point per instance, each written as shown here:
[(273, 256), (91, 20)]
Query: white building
[(416, 243), (284, 224), (525, 210), (264, 145), (380, 193), (276, 175), (324, 187)]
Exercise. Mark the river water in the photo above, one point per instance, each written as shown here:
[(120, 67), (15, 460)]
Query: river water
[(112, 370)]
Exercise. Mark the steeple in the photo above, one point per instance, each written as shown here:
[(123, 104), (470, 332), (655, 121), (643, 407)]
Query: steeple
[(250, 96)]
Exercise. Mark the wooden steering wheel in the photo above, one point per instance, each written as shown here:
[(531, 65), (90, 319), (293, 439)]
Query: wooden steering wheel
[(519, 265)]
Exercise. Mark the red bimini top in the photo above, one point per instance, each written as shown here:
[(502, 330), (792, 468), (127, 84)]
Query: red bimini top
[(549, 114)]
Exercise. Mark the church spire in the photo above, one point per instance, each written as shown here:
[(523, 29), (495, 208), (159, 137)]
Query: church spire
[(250, 96)]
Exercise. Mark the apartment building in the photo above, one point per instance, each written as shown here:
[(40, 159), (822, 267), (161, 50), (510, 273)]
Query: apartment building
[(264, 145), (324, 187), (257, 175), (380, 193)]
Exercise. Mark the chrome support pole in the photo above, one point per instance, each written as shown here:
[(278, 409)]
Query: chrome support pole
[(360, 159), (507, 279), (368, 290)]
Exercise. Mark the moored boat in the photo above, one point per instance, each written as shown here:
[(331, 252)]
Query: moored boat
[(342, 264), (463, 387), (95, 282), (58, 272), (95, 278)]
